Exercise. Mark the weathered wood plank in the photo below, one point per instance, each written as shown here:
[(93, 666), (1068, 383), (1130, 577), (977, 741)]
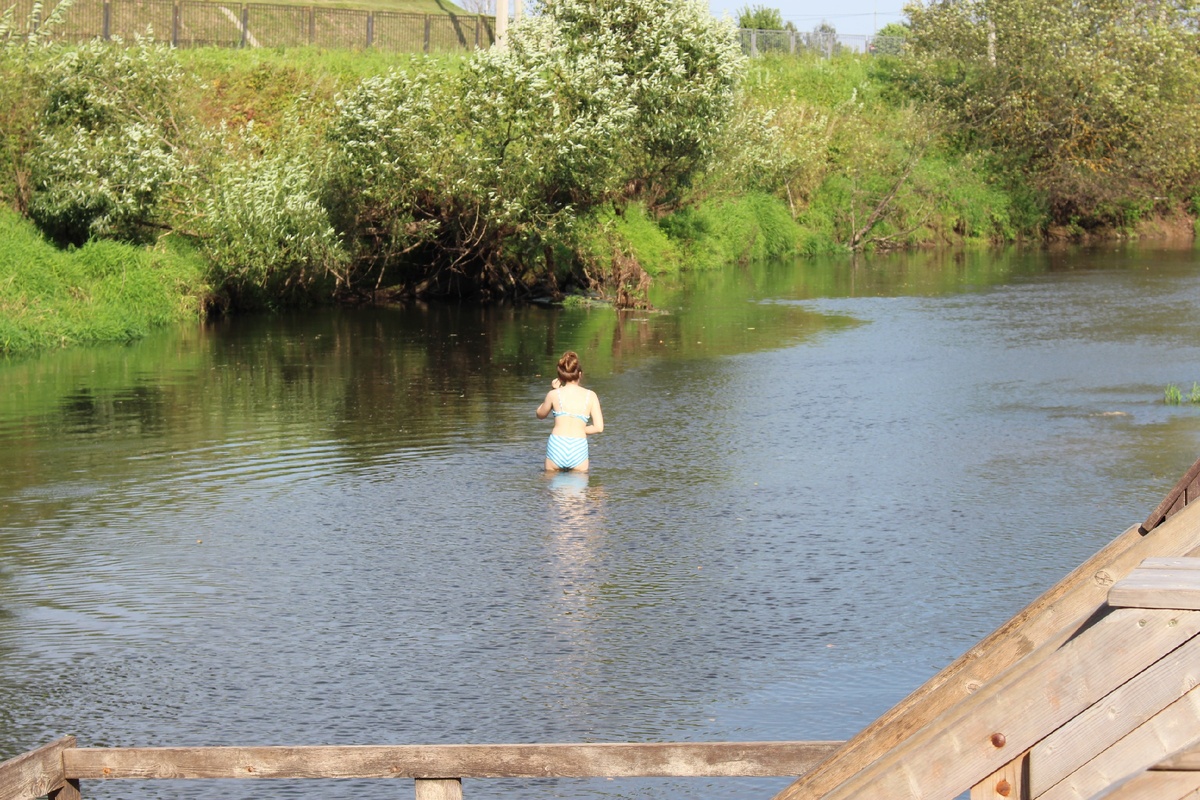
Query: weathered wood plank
[(443, 789), (1154, 786), (1170, 563), (68, 791), (1012, 713), (693, 759), (1157, 588), (1010, 782), (1119, 713), (1060, 609), (1175, 500), (1175, 727), (36, 773)]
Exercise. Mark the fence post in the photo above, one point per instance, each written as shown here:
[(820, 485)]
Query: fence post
[(68, 791), (792, 42), (312, 24), (370, 28), (245, 15), (439, 789), (175, 24), (106, 23), (754, 43), (478, 29), (428, 24)]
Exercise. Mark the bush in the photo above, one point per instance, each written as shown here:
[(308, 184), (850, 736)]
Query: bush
[(108, 143), (264, 229), (484, 172), (1095, 105)]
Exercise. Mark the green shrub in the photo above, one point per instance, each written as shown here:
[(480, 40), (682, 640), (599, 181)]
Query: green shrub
[(108, 140), (264, 230)]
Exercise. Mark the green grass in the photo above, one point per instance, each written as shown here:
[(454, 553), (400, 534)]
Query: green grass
[(102, 292)]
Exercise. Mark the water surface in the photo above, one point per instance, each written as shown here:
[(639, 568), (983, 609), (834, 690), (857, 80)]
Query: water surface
[(820, 483)]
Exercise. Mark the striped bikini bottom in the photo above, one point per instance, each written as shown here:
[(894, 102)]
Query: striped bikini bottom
[(567, 452)]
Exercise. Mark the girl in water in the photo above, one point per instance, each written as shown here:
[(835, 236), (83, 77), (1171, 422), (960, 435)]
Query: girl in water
[(576, 414)]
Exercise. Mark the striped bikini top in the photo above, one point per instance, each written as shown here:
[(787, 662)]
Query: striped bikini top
[(585, 417)]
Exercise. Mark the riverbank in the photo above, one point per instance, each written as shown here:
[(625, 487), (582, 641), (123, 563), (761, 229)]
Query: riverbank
[(281, 178)]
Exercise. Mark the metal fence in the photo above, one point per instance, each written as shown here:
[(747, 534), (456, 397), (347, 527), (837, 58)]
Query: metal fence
[(196, 23), (826, 43), (202, 23)]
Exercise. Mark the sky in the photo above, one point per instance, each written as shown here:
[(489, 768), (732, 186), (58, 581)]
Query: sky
[(857, 17)]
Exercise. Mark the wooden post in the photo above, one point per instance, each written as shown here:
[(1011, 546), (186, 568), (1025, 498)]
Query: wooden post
[(792, 42), (68, 791), (107, 21), (1010, 782), (439, 789), (478, 29), (175, 14), (312, 24), (245, 25), (39, 772), (370, 28), (428, 26)]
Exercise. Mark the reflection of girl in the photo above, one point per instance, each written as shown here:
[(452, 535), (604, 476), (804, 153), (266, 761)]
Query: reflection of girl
[(576, 414)]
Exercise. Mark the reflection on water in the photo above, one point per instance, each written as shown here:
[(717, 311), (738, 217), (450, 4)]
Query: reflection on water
[(818, 483)]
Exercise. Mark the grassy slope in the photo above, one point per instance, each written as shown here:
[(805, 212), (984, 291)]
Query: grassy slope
[(102, 292)]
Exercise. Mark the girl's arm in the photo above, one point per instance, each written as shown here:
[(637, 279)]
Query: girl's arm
[(597, 425), (547, 405)]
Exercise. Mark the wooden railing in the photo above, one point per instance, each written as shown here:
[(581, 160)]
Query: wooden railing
[(58, 768)]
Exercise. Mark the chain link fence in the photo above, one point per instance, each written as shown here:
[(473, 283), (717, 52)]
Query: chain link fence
[(823, 42), (196, 23), (200, 23)]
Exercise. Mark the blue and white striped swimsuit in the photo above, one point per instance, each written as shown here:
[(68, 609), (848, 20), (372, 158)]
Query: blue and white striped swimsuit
[(568, 452)]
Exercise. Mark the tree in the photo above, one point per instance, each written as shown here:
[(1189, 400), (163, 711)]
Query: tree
[(760, 18), (890, 40), (1095, 105)]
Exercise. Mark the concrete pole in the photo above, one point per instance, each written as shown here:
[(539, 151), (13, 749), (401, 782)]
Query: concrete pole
[(501, 23)]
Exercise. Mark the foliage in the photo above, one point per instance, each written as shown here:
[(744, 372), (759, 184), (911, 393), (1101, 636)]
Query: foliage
[(484, 172), (265, 232), (1095, 104), (1172, 396), (108, 141), (890, 40), (759, 17)]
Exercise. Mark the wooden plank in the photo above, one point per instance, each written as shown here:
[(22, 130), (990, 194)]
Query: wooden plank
[(1175, 727), (68, 791), (1157, 588), (1119, 713), (1185, 760), (36, 773), (1170, 563), (1047, 619), (1020, 708), (1010, 782), (444, 789), (693, 759), (1175, 499), (1154, 786)]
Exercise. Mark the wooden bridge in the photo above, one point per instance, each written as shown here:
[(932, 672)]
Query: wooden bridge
[(1089, 692)]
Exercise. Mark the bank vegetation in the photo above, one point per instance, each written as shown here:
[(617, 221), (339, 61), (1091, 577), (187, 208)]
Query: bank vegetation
[(609, 143)]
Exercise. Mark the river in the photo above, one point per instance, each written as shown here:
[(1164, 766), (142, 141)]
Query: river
[(820, 482)]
